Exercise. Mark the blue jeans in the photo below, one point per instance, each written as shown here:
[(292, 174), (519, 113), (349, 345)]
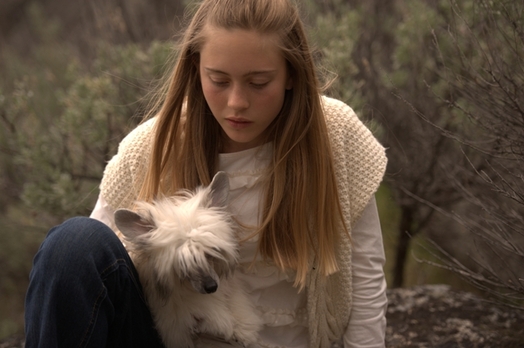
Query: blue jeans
[(84, 292)]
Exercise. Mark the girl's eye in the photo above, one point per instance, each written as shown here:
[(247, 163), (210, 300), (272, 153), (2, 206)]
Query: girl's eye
[(219, 83), (259, 84)]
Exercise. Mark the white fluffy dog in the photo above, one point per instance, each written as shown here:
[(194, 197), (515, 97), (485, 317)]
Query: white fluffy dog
[(185, 249)]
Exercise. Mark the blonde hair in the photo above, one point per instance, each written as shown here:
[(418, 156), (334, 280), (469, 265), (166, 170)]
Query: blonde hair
[(301, 214)]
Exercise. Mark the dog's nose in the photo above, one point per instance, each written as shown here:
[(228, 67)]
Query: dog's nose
[(210, 285)]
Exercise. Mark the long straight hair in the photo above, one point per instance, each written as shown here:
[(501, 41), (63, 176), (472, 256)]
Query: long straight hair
[(302, 217)]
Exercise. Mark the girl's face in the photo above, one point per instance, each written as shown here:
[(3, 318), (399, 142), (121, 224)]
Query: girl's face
[(244, 78)]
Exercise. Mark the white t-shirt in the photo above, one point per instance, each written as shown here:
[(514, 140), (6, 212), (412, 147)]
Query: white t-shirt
[(282, 308)]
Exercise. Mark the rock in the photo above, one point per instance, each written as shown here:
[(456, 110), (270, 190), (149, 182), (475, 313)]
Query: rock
[(434, 316), (13, 342)]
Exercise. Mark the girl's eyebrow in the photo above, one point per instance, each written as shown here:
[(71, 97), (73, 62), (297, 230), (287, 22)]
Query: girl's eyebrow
[(249, 73)]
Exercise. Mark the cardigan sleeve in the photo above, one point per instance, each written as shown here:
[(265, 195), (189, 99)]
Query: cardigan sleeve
[(125, 172)]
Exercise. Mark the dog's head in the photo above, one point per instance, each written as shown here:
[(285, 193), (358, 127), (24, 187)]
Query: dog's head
[(184, 238)]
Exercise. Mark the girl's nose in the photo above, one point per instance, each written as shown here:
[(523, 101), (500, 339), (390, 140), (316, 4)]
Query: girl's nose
[(237, 99)]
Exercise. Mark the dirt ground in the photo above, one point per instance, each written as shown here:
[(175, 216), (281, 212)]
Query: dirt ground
[(433, 316)]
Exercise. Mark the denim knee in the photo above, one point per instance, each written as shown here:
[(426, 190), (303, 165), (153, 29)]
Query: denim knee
[(76, 257), (81, 282), (77, 242)]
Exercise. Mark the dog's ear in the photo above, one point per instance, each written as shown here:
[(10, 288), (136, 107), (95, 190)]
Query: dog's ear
[(219, 190), (131, 224)]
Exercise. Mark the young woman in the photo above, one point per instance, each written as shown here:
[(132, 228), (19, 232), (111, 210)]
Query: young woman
[(243, 98)]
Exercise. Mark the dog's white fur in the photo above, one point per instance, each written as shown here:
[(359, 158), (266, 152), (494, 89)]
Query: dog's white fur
[(185, 249)]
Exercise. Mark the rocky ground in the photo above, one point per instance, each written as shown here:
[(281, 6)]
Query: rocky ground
[(433, 316)]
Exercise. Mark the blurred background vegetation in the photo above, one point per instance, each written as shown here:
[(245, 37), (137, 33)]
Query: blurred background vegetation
[(440, 83)]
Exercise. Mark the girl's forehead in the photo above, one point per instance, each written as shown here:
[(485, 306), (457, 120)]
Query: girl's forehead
[(212, 33), (240, 51)]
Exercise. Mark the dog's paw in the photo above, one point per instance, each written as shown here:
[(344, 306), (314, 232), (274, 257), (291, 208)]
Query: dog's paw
[(244, 344), (246, 329), (245, 338)]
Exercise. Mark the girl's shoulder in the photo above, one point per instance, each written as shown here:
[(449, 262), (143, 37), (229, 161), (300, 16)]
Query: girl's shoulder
[(342, 122), (336, 110), (358, 156), (125, 171), (139, 136), (334, 105)]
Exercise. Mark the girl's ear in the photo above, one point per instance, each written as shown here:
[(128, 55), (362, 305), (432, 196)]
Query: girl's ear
[(131, 224)]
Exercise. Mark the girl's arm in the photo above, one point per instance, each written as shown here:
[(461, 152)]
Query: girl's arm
[(104, 213), (367, 325)]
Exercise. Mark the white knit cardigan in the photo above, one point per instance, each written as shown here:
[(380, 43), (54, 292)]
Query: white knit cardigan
[(360, 163)]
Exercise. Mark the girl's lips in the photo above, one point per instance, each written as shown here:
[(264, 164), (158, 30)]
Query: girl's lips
[(238, 123)]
